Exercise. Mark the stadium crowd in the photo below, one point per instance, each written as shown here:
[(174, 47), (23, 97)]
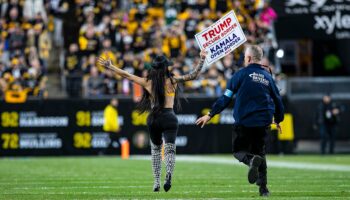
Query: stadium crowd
[(25, 47), (130, 33)]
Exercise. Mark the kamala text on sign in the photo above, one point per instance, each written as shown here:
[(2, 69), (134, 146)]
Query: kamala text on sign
[(221, 38)]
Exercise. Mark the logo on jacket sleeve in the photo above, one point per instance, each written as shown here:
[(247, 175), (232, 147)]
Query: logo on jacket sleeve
[(259, 78)]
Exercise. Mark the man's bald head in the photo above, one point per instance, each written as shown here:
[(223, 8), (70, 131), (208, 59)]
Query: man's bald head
[(253, 54)]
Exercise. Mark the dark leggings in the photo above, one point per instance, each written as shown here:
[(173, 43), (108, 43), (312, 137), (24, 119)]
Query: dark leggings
[(163, 124)]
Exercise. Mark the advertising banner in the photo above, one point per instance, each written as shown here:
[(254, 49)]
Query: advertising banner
[(315, 19)]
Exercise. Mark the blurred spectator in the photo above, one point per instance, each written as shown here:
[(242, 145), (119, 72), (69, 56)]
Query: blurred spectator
[(8, 7), (174, 43), (111, 125), (15, 93), (57, 9), (327, 119), (267, 16), (32, 8), (88, 41), (73, 71), (44, 45), (108, 52), (72, 61), (16, 39), (94, 83), (110, 83), (214, 82), (191, 24)]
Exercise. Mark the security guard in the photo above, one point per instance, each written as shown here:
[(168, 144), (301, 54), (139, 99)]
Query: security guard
[(257, 101)]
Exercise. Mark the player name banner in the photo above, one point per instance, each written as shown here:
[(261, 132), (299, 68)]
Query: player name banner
[(221, 38), (315, 19), (74, 127)]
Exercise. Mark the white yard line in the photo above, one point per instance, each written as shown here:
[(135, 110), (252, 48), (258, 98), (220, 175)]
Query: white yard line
[(270, 163)]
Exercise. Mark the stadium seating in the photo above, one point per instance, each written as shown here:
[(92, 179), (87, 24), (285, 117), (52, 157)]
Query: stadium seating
[(25, 46), (130, 33)]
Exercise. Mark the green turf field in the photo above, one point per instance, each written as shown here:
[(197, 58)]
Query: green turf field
[(203, 178)]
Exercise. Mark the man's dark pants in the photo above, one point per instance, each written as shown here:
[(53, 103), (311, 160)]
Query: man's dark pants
[(250, 141), (327, 132)]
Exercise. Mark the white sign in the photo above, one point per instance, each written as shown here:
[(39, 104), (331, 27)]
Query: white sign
[(221, 38)]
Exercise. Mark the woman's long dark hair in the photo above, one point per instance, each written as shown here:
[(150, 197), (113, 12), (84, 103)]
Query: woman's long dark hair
[(158, 75)]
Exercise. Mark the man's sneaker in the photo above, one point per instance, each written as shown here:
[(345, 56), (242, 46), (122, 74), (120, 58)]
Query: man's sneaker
[(253, 172), (167, 184), (156, 188), (264, 192)]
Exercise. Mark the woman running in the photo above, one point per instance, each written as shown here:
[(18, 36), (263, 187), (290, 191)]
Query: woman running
[(160, 90)]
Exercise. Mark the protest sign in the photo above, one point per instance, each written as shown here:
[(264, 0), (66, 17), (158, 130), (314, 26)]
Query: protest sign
[(221, 38)]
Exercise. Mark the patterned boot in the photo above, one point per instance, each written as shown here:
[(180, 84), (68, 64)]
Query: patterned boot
[(156, 165), (169, 152)]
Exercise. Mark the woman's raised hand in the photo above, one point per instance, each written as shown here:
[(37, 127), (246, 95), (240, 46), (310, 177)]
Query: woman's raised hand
[(203, 54), (105, 63)]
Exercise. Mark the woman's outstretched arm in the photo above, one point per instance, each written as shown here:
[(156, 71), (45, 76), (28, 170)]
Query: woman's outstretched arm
[(108, 64), (195, 73)]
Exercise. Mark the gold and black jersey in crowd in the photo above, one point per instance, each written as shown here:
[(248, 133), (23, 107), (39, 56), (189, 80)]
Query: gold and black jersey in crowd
[(88, 45), (72, 63), (174, 45)]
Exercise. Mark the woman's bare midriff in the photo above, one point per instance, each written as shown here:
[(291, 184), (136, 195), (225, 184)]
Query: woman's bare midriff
[(169, 89)]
